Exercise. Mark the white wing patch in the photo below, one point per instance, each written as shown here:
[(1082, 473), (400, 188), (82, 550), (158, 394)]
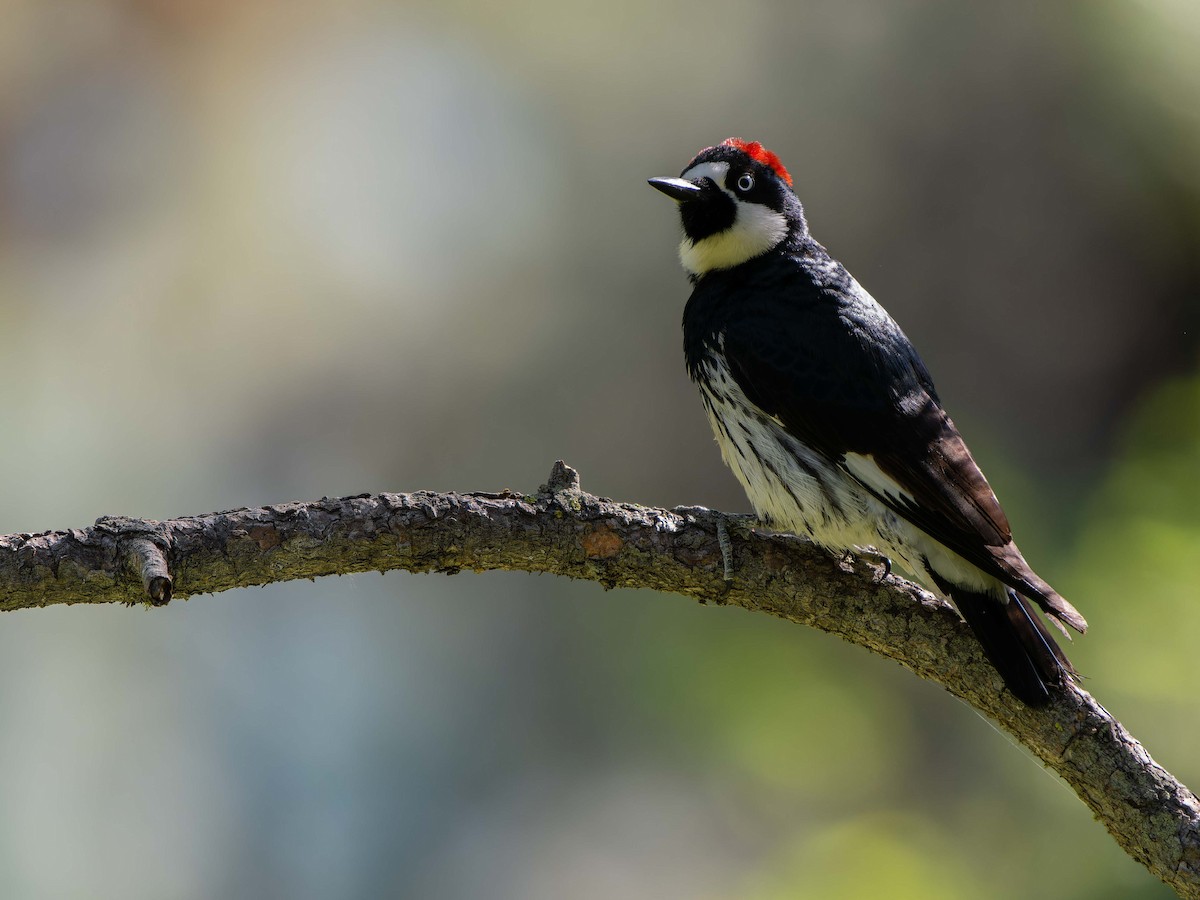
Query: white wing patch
[(865, 470), (930, 552)]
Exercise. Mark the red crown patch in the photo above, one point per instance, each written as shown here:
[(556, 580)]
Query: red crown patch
[(759, 153)]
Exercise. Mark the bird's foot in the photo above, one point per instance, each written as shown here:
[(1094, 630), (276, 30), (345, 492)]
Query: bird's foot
[(871, 554), (726, 545), (727, 526), (882, 560)]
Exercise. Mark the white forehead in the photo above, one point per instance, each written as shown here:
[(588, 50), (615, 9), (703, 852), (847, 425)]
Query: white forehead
[(714, 170)]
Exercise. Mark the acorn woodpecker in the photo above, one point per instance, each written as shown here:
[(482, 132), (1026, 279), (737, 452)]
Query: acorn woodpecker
[(829, 418)]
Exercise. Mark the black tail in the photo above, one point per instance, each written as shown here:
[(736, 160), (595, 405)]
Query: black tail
[(1016, 642)]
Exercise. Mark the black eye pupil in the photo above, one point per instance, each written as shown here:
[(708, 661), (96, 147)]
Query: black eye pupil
[(745, 183)]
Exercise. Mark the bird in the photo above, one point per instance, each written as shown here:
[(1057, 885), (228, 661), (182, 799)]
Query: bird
[(830, 420)]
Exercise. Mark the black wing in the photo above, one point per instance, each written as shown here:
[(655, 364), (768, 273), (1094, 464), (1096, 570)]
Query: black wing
[(841, 376)]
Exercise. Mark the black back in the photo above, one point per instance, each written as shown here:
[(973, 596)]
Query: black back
[(804, 345)]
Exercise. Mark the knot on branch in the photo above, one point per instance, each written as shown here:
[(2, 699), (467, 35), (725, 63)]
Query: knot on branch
[(562, 478), (562, 489), (141, 547)]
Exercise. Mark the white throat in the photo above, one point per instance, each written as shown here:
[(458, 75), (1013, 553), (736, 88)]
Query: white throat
[(755, 229)]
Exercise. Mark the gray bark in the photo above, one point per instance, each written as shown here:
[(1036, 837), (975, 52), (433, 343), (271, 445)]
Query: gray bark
[(563, 531)]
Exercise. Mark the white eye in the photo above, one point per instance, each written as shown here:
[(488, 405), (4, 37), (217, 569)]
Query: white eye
[(745, 183)]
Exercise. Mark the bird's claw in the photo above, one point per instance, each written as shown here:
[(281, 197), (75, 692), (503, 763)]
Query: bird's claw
[(726, 546)]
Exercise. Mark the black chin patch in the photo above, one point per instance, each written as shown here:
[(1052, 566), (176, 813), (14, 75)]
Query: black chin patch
[(710, 213)]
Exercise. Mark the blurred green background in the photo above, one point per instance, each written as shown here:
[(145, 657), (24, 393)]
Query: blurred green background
[(261, 251)]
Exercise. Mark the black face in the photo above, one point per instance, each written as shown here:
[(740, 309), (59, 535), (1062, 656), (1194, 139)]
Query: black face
[(711, 212)]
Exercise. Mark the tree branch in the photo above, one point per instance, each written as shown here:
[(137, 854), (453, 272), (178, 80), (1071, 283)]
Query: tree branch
[(564, 531)]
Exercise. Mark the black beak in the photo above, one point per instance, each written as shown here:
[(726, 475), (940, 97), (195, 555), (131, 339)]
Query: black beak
[(676, 188)]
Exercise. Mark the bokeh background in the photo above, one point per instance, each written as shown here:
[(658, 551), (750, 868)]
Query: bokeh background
[(261, 251)]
